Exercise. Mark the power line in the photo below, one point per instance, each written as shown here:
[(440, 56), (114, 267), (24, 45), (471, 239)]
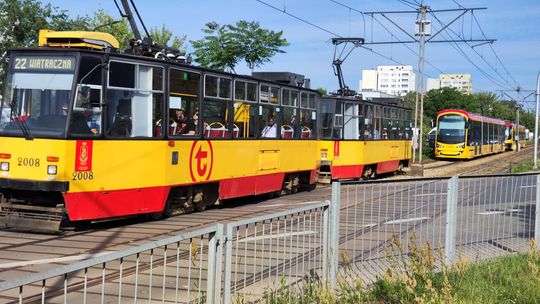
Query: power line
[(298, 18), (385, 28), (494, 53), (328, 31), (491, 47), (472, 62)]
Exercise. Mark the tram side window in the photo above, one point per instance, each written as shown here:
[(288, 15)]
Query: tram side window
[(86, 114), (476, 129), (245, 109), (217, 92), (377, 122), (183, 104), (133, 111), (368, 122), (326, 114), (350, 123), (269, 121), (291, 124), (269, 94), (308, 115)]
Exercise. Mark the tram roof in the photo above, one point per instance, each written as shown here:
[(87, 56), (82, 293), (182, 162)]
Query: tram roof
[(473, 116)]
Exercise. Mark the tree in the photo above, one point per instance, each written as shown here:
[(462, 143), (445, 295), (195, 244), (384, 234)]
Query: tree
[(21, 20), (163, 36), (218, 49), (258, 45), (226, 45), (321, 91), (103, 22)]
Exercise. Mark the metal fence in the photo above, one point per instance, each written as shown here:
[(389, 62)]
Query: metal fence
[(356, 236), (267, 253), (178, 269), (470, 218)]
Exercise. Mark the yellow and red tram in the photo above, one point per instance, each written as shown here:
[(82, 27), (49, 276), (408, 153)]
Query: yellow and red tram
[(360, 139), (515, 136), (464, 135), (88, 133)]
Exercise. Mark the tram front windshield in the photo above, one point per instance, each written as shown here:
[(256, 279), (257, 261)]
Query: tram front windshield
[(451, 129), (37, 95)]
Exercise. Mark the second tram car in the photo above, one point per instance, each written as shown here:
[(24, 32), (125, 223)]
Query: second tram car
[(464, 135), (361, 139)]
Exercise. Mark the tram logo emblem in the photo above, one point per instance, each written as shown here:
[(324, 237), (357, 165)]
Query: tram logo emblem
[(201, 160), (83, 156)]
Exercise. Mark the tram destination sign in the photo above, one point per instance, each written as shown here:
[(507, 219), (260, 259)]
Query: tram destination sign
[(43, 63)]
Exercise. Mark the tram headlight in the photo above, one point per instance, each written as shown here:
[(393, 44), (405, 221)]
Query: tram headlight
[(461, 147), (51, 169), (324, 155), (439, 146), (4, 166)]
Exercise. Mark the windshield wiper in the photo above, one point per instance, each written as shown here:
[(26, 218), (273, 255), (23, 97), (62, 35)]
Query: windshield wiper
[(20, 122)]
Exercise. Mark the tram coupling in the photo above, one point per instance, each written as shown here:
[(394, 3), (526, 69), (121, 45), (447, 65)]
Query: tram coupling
[(19, 215)]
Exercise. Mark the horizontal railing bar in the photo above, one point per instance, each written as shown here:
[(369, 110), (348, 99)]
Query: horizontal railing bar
[(498, 175), (51, 273), (316, 205), (416, 179)]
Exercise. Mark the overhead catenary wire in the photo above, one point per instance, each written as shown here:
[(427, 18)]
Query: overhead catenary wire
[(385, 28), (327, 31), (298, 18), (473, 16), (462, 52)]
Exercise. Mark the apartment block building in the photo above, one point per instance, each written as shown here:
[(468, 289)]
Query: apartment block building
[(461, 82), (389, 79)]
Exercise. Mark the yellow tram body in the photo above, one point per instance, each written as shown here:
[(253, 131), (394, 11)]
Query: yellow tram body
[(89, 135), (363, 159), (463, 135)]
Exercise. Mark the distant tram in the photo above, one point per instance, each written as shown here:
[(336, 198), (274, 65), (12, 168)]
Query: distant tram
[(463, 135), (516, 135)]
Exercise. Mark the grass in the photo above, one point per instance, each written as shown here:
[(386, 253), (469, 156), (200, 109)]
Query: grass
[(521, 167), (503, 280), (418, 274)]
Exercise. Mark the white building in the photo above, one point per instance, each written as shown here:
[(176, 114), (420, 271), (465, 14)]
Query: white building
[(389, 79), (461, 82)]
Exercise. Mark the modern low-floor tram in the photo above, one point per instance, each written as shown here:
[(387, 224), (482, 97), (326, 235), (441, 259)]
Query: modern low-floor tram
[(464, 135)]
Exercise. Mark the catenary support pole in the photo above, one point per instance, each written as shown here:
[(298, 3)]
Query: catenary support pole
[(535, 157)]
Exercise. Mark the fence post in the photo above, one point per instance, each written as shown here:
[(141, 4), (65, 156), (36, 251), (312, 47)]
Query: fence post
[(451, 219), (215, 255), (325, 240), (228, 264), (333, 237), (537, 213)]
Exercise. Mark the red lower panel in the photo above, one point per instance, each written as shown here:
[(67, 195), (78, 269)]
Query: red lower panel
[(250, 185), (313, 176), (387, 166), (105, 204), (351, 171)]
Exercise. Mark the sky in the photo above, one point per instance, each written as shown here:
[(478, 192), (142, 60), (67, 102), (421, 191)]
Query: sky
[(512, 61)]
